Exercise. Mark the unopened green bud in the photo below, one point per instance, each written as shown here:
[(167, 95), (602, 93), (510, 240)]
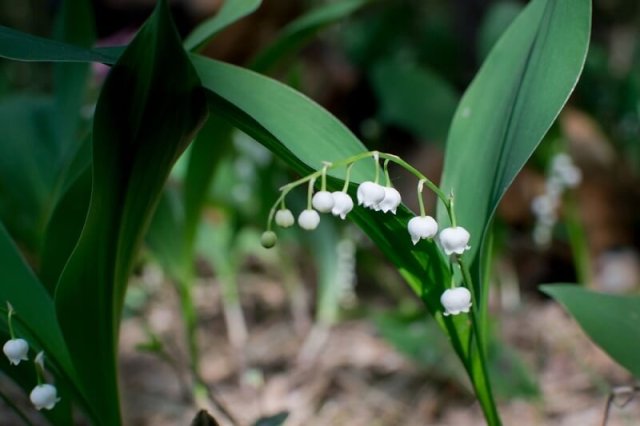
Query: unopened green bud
[(268, 239)]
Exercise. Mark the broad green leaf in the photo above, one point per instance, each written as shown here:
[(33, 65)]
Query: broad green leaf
[(64, 229), (413, 98), (495, 22), (230, 12), (509, 106), (304, 134), (29, 156), (610, 320), (295, 34), (21, 46), (143, 122), (209, 147), (165, 236), (35, 321), (75, 25)]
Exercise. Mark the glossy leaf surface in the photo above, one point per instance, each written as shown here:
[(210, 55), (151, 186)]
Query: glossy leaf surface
[(143, 122), (510, 105), (230, 12), (611, 321)]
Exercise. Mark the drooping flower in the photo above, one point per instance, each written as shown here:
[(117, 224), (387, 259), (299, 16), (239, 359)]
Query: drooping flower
[(370, 194), (456, 300), (309, 219), (44, 396), (342, 204), (454, 240), (268, 239), (391, 200), (284, 218), (16, 350), (422, 227), (322, 201)]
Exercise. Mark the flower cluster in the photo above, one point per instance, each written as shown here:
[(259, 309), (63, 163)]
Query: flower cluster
[(16, 349), (562, 175), (454, 240)]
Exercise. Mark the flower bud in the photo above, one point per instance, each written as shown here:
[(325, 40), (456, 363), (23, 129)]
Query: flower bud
[(370, 194), (342, 204), (268, 239), (284, 218), (391, 200), (16, 350), (322, 201), (44, 396), (422, 227), (456, 300), (455, 240), (309, 219)]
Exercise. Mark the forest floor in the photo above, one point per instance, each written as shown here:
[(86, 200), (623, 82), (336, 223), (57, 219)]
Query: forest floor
[(350, 375)]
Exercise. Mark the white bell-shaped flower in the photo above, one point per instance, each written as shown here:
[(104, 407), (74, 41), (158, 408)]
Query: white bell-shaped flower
[(370, 194), (456, 300), (44, 396), (342, 204), (16, 350), (284, 218), (422, 227), (454, 240), (309, 219), (322, 201), (391, 200)]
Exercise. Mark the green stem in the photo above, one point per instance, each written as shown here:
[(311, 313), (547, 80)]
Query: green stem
[(420, 200), (10, 322), (185, 284), (386, 173), (478, 367), (347, 177), (310, 193)]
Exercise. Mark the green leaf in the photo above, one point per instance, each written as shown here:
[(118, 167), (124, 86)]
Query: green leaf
[(413, 98), (509, 106), (165, 236), (275, 420), (230, 12), (610, 320), (29, 156), (143, 122), (36, 321), (304, 134), (75, 26), (495, 22), (64, 229), (295, 34), (208, 149), (21, 46)]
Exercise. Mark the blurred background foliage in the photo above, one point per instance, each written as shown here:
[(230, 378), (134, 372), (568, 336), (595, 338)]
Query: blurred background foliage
[(393, 71)]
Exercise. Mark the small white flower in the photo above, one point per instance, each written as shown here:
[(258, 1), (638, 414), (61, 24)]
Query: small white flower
[(284, 218), (422, 227), (455, 240), (44, 396), (309, 219), (342, 204), (391, 200), (456, 300), (16, 350), (322, 201), (370, 194)]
